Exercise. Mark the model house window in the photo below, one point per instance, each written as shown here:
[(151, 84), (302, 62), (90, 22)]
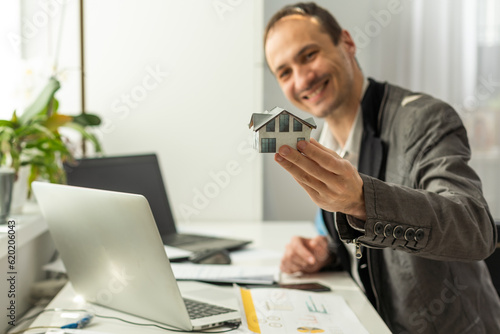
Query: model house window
[(300, 138), (271, 126), (297, 126), (284, 119), (268, 145)]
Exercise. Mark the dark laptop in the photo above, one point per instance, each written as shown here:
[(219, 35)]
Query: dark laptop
[(140, 174)]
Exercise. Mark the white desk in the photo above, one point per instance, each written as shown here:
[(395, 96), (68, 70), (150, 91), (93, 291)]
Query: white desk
[(269, 235)]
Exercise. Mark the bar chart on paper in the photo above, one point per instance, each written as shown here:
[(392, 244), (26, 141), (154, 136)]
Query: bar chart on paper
[(310, 330), (285, 311)]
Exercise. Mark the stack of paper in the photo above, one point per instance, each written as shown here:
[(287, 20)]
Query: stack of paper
[(219, 273)]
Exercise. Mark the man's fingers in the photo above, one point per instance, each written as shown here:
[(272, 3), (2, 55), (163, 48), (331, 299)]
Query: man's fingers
[(314, 183), (296, 260), (326, 158), (289, 158), (318, 242), (313, 158), (291, 268), (302, 170), (312, 192), (319, 246), (302, 252), (297, 256), (331, 182), (326, 149)]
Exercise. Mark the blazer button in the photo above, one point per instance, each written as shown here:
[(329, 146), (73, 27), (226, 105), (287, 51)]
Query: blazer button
[(388, 230), (409, 234), (378, 229), (419, 234), (398, 232)]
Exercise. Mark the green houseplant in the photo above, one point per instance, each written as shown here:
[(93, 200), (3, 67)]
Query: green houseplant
[(33, 139)]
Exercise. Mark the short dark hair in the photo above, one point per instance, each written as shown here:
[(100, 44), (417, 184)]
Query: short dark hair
[(325, 19)]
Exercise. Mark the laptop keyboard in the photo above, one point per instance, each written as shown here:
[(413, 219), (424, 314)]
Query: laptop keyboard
[(198, 309), (182, 239)]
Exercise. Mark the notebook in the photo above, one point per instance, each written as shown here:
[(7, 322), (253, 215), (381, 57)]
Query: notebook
[(113, 254), (141, 174)]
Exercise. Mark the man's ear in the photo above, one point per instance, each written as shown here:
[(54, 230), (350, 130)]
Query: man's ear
[(348, 43)]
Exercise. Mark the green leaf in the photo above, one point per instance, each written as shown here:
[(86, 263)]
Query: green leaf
[(31, 132), (54, 106), (41, 102), (8, 124), (87, 119), (57, 120), (86, 135), (33, 138)]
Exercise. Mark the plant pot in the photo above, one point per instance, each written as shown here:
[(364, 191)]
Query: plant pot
[(20, 190), (6, 184)]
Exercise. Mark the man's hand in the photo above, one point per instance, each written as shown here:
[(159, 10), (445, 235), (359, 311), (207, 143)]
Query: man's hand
[(305, 255), (331, 182)]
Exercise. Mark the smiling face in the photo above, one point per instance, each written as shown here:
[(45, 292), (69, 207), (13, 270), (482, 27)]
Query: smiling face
[(314, 74)]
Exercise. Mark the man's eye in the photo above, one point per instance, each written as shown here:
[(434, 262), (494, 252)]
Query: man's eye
[(284, 73), (311, 55)]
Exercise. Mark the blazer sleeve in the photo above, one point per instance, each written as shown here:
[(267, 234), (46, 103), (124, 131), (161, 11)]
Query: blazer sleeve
[(440, 213)]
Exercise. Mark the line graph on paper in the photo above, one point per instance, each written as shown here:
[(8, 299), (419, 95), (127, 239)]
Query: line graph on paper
[(313, 308)]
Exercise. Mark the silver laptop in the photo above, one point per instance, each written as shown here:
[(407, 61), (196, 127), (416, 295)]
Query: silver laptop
[(140, 174), (113, 254)]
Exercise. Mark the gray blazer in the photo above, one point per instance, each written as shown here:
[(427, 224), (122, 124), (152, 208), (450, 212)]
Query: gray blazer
[(428, 225)]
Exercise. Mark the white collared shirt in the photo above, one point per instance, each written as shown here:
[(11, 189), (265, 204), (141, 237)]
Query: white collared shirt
[(350, 152)]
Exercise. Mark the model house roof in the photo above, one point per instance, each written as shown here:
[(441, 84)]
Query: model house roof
[(259, 120)]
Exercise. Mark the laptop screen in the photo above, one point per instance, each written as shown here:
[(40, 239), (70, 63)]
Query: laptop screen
[(136, 174)]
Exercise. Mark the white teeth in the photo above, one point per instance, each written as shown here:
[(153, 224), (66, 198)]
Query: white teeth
[(316, 92)]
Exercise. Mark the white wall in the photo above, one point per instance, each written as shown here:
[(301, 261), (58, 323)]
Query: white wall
[(10, 30), (181, 78)]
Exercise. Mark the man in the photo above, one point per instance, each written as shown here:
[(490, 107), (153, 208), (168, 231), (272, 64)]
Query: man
[(410, 222)]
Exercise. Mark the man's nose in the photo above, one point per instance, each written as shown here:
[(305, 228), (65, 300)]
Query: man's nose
[(304, 76)]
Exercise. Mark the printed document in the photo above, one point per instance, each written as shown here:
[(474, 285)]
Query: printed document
[(285, 311)]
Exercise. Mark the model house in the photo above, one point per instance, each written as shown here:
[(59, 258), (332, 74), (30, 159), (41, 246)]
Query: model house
[(279, 127)]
